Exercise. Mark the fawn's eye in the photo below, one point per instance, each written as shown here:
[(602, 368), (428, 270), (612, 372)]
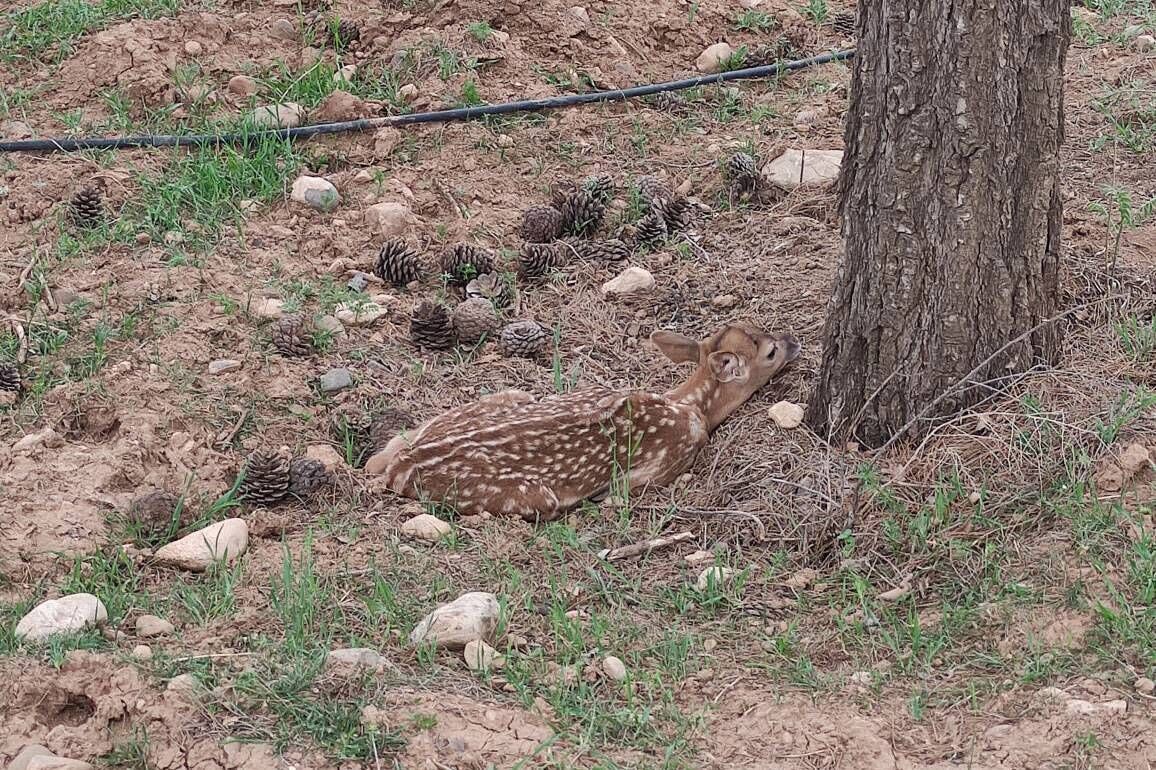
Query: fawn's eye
[(771, 353)]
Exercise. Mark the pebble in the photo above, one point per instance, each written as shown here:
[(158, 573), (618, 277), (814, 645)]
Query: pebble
[(65, 615), (315, 192), (242, 85), (361, 314), (803, 169), (49, 761), (806, 118), (283, 29), (335, 380), (389, 219), (725, 301), (326, 455), (27, 754), (151, 625), (471, 616), (1134, 459), (354, 658), (328, 323), (862, 678), (1133, 31), (183, 686), (15, 129), (142, 652), (339, 106), (786, 415), (287, 115), (1144, 43), (632, 280), (46, 437), (427, 527), (699, 558), (408, 92), (193, 48), (718, 576), (614, 668), (269, 308), (143, 239), (358, 282), (1144, 685), (224, 541), (714, 58), (222, 365), (481, 657)]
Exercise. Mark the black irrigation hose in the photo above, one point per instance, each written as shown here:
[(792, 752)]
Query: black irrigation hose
[(441, 116)]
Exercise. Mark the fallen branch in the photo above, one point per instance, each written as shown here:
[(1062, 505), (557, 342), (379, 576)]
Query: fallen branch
[(645, 546)]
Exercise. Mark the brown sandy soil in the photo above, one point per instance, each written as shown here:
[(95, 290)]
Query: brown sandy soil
[(1024, 633)]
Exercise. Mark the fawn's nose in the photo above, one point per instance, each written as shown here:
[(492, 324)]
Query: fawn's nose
[(791, 346)]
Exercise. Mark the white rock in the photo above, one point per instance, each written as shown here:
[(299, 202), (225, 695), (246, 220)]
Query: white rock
[(786, 415), (725, 301), (699, 557), (481, 657), (142, 652), (408, 92), (27, 754), (614, 668), (360, 314), (1078, 707), (242, 85), (1144, 685), (718, 576), (223, 365), (326, 455), (714, 58), (803, 168), (389, 219), (287, 115), (151, 625), (269, 308), (57, 763), (44, 437), (65, 615), (1144, 43), (224, 541), (632, 280), (328, 323), (193, 48), (426, 527), (354, 659), (315, 192), (861, 678), (471, 616)]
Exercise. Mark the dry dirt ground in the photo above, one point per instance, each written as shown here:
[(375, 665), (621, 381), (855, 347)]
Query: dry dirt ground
[(983, 599)]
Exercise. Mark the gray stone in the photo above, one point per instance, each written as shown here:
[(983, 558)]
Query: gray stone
[(389, 219), (803, 168), (714, 58), (287, 115), (328, 323), (283, 29), (335, 380), (354, 658), (358, 282), (15, 129), (614, 668), (717, 576), (315, 192), (224, 541), (471, 616), (222, 365), (632, 280), (151, 625), (27, 754), (243, 86), (786, 415), (142, 652), (1144, 43), (65, 615), (57, 763), (426, 527)]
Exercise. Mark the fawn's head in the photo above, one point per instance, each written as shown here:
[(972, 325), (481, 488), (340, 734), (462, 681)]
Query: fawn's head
[(733, 364)]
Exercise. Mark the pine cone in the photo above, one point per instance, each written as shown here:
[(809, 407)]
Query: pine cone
[(528, 339), (266, 478), (431, 326), (341, 34), (538, 259), (581, 213), (87, 207), (492, 287), (601, 187), (153, 512), (743, 172), (651, 229), (541, 224), (652, 189), (474, 319), (668, 101), (463, 262), (292, 336), (308, 476), (844, 23), (398, 264), (611, 250), (10, 377), (386, 425)]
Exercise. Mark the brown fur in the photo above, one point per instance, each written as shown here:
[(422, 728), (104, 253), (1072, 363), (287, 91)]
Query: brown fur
[(508, 453)]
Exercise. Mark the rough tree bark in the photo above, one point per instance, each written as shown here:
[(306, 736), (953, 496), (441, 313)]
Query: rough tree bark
[(951, 210)]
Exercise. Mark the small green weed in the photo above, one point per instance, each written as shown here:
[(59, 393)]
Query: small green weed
[(754, 20), (47, 31), (480, 31), (816, 10)]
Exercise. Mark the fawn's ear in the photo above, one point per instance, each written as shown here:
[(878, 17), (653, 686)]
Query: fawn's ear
[(727, 367), (677, 347)]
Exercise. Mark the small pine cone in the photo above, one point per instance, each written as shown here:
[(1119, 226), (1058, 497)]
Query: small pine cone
[(538, 259), (292, 336), (541, 224), (528, 339), (341, 34), (463, 262), (87, 207), (266, 478), (675, 212), (153, 512), (492, 287), (431, 326), (844, 23), (398, 264), (581, 213), (601, 187), (651, 229), (308, 476), (668, 101), (386, 425), (10, 377), (743, 172), (560, 192), (651, 189), (474, 319), (611, 250)]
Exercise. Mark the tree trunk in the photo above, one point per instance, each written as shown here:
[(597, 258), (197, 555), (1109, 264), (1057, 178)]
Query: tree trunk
[(951, 211)]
